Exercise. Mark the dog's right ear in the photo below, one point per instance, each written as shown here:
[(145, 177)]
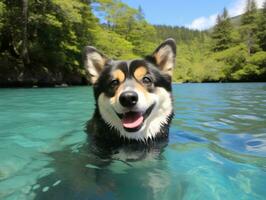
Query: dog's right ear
[(164, 56), (94, 62)]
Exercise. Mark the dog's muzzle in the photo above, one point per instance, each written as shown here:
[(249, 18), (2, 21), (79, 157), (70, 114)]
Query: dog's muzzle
[(132, 121)]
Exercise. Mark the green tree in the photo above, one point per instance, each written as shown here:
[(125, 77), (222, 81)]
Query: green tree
[(262, 28), (222, 32), (234, 59), (249, 26), (11, 28)]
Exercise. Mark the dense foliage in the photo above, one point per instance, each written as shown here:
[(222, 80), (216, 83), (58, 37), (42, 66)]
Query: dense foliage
[(41, 41)]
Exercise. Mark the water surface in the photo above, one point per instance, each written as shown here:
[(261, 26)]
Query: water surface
[(217, 147)]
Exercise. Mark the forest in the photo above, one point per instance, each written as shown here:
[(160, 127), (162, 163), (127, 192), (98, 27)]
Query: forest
[(41, 42)]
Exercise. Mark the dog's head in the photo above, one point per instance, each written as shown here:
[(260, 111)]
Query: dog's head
[(133, 96)]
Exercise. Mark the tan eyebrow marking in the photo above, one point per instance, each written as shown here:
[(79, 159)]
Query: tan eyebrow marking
[(119, 75), (140, 72)]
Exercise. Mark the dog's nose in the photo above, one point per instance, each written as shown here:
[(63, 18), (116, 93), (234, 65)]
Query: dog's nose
[(128, 99)]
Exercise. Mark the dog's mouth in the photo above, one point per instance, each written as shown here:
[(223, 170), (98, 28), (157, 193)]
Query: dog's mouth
[(132, 121)]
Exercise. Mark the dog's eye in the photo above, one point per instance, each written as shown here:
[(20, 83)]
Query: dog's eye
[(146, 80), (114, 83)]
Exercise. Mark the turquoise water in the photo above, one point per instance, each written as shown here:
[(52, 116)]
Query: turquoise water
[(217, 147)]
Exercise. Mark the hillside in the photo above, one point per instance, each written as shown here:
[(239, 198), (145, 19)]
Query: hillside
[(236, 21), (180, 34)]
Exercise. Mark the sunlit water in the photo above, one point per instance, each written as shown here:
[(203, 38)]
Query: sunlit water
[(217, 147)]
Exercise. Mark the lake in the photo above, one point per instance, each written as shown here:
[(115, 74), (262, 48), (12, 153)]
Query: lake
[(216, 149)]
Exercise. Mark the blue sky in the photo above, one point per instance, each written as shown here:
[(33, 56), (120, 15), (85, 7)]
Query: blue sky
[(195, 14)]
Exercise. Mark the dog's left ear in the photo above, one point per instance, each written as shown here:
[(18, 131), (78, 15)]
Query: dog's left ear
[(164, 56), (94, 62)]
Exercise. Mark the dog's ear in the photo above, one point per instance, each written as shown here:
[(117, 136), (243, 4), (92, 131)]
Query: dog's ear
[(164, 56), (94, 62)]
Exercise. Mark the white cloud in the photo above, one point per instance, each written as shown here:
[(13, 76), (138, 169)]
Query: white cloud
[(203, 23), (237, 8)]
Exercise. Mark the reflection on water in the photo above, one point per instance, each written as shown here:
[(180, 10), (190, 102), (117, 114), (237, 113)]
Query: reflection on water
[(216, 150)]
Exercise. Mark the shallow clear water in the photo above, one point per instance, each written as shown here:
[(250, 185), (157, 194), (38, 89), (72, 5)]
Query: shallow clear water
[(217, 147)]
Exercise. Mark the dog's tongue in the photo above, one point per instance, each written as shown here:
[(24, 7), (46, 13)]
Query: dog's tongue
[(132, 120)]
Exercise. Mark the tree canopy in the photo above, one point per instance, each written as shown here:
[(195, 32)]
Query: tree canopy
[(41, 41)]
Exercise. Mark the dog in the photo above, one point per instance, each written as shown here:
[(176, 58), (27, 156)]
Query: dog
[(134, 101)]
